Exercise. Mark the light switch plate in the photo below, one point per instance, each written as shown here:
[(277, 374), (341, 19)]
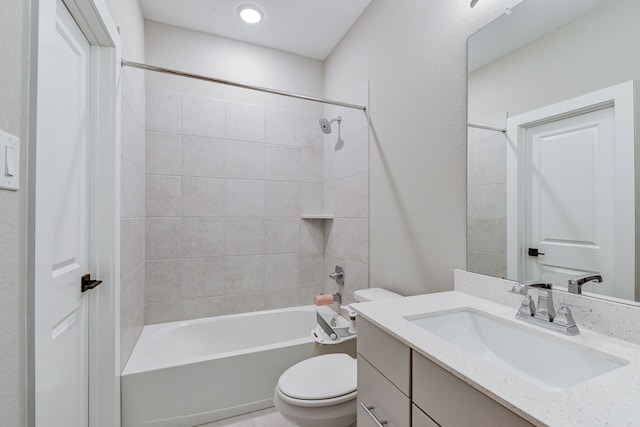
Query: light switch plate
[(9, 161)]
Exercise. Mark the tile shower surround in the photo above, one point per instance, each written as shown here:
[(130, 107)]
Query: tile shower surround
[(226, 184), (486, 202), (346, 196), (132, 212)]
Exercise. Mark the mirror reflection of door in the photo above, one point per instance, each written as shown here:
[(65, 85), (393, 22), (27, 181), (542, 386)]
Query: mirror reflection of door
[(572, 218), (570, 198)]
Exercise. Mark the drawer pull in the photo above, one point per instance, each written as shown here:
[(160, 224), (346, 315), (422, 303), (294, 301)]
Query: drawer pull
[(368, 410)]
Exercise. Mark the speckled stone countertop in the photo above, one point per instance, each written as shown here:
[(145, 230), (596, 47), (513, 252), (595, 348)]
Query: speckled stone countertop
[(612, 399)]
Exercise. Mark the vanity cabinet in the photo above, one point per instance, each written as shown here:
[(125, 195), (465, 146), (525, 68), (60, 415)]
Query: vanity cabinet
[(420, 419), (400, 386), (384, 375), (383, 400), (450, 401)]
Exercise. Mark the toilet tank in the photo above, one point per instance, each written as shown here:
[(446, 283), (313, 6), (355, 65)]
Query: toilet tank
[(374, 294)]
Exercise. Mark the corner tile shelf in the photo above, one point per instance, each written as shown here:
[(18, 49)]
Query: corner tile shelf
[(316, 216)]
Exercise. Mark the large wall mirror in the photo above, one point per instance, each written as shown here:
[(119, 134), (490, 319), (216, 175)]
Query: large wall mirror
[(553, 169)]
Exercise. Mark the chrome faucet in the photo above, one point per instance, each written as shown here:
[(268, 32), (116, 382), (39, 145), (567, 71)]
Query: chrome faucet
[(545, 310), (575, 283), (544, 315), (338, 275)]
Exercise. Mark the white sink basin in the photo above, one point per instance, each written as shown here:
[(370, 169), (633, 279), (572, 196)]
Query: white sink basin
[(550, 363)]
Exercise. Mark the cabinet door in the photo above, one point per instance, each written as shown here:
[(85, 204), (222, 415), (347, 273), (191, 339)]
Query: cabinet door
[(383, 400), (451, 402), (387, 354), (420, 419)]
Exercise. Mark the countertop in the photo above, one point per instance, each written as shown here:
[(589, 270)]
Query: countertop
[(612, 399)]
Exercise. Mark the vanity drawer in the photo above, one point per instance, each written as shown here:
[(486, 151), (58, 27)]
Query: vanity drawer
[(387, 354), (420, 419), (387, 403), (451, 402)]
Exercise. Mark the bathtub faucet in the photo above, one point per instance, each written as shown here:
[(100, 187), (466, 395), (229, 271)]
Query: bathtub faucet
[(337, 297), (338, 275)]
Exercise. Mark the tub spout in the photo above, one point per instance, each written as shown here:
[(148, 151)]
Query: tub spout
[(337, 297)]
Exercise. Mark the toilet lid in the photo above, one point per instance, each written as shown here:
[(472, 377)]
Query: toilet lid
[(320, 377)]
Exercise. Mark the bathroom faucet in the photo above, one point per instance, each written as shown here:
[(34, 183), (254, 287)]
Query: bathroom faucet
[(544, 315), (545, 310), (575, 283)]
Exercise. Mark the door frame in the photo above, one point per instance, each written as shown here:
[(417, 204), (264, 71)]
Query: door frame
[(95, 22), (621, 97)]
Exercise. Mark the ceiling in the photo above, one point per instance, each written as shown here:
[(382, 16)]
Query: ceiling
[(310, 28), (528, 21)]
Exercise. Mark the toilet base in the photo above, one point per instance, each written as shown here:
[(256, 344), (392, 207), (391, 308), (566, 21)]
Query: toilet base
[(340, 415)]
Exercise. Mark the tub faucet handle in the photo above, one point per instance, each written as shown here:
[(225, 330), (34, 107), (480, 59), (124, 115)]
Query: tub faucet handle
[(338, 275)]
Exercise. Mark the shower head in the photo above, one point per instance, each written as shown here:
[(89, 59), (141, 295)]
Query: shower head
[(473, 3), (325, 124)]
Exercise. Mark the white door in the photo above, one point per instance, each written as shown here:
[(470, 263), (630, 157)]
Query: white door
[(571, 210), (570, 199), (62, 220)]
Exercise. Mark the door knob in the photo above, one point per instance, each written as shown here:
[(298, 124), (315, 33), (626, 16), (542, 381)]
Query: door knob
[(87, 283), (535, 252)]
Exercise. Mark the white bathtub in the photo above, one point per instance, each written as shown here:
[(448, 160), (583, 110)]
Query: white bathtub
[(198, 371)]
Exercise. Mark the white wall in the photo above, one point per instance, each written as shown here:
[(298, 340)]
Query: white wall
[(13, 60), (413, 52), (594, 52), (199, 53)]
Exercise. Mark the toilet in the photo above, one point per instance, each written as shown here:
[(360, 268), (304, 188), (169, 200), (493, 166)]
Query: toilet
[(321, 391)]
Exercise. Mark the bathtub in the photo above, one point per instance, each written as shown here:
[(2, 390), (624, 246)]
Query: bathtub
[(199, 371)]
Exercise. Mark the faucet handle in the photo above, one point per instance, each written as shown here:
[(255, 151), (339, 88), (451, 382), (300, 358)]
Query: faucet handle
[(338, 275), (528, 307), (565, 319), (579, 307), (522, 288), (519, 288)]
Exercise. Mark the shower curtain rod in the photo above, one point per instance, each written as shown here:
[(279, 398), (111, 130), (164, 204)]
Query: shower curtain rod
[(132, 64), (471, 125)]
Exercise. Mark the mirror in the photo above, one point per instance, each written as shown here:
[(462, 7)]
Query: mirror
[(551, 175)]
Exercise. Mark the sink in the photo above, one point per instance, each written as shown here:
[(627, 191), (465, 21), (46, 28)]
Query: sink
[(550, 363)]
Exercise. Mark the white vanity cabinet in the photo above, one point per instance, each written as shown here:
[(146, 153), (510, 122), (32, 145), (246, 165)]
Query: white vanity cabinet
[(384, 374), (449, 401), (400, 386)]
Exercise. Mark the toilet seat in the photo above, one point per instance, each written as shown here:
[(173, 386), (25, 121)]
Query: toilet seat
[(317, 403), (325, 380)]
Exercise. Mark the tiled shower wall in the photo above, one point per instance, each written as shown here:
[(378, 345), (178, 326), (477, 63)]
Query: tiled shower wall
[(226, 185), (346, 197), (487, 201), (132, 210)]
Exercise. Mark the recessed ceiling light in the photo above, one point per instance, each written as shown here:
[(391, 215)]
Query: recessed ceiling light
[(250, 14)]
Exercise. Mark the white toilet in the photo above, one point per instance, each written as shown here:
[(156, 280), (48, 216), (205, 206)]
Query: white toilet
[(321, 391)]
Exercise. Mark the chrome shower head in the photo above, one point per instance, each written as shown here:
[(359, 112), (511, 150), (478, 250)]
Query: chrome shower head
[(325, 124)]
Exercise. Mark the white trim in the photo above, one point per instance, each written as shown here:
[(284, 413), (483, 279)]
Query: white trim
[(104, 305), (620, 96), (98, 27)]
